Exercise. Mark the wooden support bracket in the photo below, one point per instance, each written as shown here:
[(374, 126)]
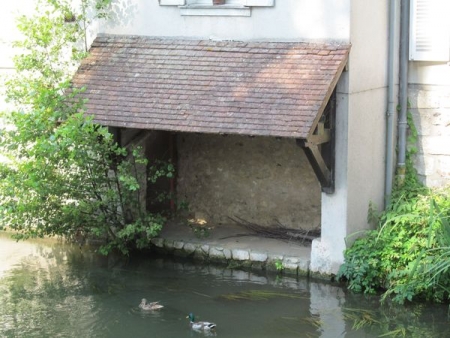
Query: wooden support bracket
[(321, 169), (319, 148)]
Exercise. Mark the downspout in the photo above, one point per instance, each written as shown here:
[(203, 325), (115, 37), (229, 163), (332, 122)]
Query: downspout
[(391, 111), (404, 60)]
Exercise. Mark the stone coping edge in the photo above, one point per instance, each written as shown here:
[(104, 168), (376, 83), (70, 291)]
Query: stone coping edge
[(233, 258)]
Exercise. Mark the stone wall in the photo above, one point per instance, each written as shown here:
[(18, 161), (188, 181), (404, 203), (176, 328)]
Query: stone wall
[(261, 180), (430, 108)]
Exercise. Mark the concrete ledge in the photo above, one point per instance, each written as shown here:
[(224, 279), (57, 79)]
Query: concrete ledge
[(236, 257)]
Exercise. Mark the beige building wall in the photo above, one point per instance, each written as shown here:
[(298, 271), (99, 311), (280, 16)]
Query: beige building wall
[(290, 20), (360, 137), (367, 109)]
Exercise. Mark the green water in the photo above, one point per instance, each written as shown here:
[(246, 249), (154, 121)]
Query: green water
[(48, 289)]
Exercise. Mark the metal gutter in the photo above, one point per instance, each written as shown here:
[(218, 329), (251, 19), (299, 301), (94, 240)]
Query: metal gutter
[(391, 110), (403, 97)]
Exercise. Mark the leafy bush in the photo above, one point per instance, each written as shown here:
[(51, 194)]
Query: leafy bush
[(65, 175), (408, 254), (387, 258)]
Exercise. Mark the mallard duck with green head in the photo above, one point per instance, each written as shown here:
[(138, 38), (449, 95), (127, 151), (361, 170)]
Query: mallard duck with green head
[(200, 326), (150, 306)]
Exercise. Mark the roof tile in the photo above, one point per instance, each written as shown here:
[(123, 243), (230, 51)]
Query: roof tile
[(254, 88)]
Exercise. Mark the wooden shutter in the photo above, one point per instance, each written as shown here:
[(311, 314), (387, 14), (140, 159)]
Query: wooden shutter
[(429, 30)]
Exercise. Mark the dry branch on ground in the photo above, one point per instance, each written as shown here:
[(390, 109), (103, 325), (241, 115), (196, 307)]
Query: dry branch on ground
[(277, 231)]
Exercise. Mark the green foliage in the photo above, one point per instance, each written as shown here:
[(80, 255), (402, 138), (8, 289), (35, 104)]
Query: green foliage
[(51, 47), (279, 265), (408, 253), (429, 275), (65, 175), (200, 231), (363, 271), (383, 258)]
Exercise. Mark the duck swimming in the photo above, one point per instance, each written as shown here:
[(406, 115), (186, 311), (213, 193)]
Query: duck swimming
[(149, 306), (200, 326)]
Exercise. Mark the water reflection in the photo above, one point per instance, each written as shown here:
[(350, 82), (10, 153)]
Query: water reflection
[(51, 289)]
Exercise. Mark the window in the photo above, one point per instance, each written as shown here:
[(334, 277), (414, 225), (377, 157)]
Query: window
[(207, 7), (239, 2)]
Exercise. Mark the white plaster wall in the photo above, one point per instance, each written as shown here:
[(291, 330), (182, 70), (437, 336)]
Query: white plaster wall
[(366, 155), (429, 73), (287, 20), (367, 109), (360, 136), (327, 251)]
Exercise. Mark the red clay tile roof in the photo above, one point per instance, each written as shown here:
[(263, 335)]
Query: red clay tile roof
[(251, 88)]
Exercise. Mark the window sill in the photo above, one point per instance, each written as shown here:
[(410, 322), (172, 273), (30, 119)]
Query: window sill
[(217, 10)]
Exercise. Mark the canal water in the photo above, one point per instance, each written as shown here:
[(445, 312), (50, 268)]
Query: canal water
[(52, 289)]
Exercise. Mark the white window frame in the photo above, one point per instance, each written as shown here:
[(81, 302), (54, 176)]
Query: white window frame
[(249, 3)]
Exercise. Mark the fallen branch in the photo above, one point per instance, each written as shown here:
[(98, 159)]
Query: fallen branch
[(277, 232)]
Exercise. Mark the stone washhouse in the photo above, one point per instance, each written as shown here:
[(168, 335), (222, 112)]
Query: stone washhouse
[(249, 125), (276, 113)]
